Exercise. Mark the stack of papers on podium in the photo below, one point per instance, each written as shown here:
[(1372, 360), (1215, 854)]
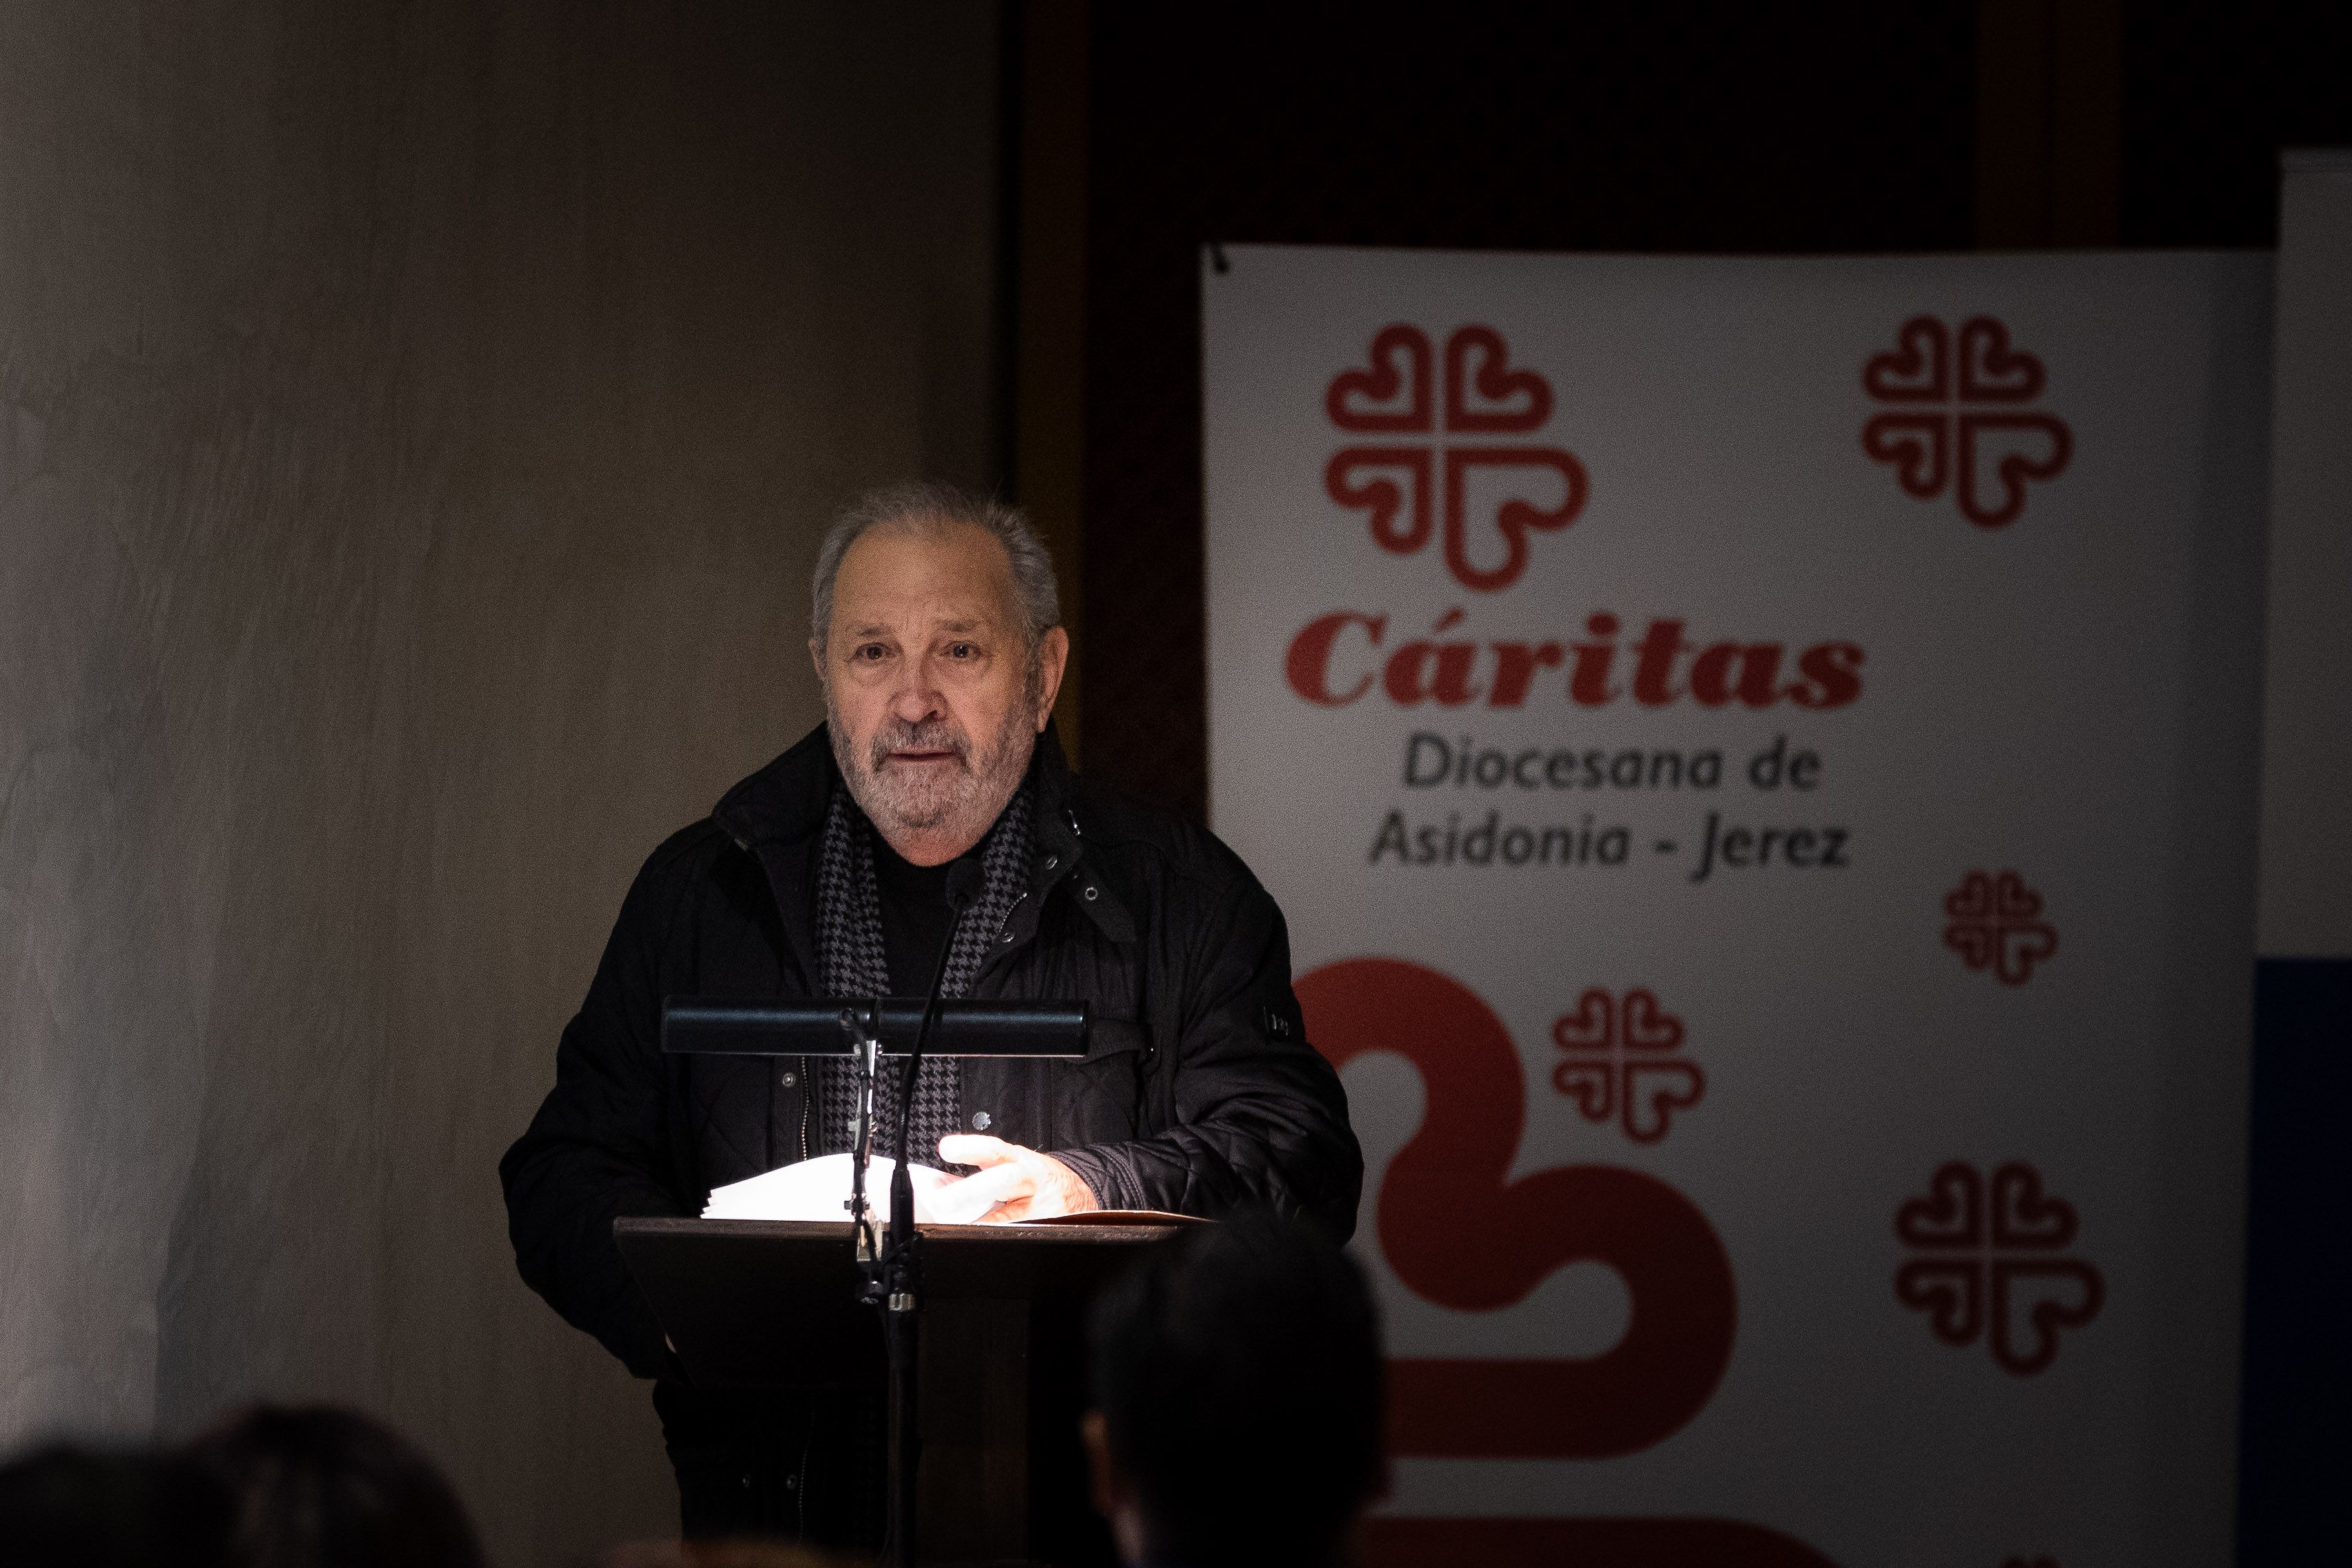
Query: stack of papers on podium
[(818, 1189)]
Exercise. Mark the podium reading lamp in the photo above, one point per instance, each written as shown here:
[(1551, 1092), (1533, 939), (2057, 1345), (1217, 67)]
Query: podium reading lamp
[(866, 1031)]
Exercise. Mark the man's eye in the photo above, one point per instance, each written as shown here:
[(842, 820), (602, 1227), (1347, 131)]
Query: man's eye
[(961, 650), (869, 652)]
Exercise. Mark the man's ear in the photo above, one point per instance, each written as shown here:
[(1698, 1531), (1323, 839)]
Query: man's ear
[(816, 658), (1052, 659)]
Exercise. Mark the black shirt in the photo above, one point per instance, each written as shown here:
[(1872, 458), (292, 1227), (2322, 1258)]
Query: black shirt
[(915, 917)]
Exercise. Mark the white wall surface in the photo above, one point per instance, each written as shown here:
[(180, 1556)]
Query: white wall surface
[(415, 425)]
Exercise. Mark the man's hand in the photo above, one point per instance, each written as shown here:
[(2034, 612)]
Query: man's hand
[(1014, 1182)]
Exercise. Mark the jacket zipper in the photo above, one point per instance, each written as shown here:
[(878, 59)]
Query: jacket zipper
[(1003, 929), (808, 1094)]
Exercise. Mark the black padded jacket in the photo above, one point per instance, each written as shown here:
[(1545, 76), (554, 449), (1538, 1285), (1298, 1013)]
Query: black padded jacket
[(1199, 1090)]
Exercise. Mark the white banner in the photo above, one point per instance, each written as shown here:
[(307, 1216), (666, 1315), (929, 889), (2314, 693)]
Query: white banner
[(1757, 756)]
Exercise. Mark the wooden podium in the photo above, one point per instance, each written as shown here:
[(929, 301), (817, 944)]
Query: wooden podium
[(761, 1304)]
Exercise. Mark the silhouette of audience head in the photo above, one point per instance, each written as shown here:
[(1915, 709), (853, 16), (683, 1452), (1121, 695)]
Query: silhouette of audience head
[(1237, 1401), (61, 1506), (316, 1487)]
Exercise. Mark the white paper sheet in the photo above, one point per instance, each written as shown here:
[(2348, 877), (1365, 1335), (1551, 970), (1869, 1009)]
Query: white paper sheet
[(818, 1189)]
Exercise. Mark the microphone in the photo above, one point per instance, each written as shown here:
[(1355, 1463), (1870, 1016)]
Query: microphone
[(966, 881)]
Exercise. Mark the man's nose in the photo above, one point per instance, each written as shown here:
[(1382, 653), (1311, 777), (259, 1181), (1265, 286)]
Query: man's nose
[(914, 697)]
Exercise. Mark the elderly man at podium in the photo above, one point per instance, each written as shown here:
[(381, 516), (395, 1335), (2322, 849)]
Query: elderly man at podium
[(936, 634)]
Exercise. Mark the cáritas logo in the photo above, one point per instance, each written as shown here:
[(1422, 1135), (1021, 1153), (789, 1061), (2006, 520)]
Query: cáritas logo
[(1437, 418), (1485, 397), (1338, 657), (1992, 1258), (1956, 417)]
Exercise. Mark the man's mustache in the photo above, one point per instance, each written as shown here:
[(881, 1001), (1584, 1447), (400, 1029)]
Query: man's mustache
[(931, 735)]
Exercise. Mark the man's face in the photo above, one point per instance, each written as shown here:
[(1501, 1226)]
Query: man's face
[(932, 693)]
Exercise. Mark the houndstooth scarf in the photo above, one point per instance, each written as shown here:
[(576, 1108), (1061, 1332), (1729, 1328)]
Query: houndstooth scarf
[(850, 952)]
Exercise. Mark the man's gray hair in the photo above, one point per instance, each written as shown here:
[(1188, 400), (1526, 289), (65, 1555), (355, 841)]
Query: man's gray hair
[(929, 507)]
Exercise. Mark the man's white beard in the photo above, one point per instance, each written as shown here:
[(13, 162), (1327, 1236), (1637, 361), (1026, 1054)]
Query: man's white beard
[(960, 803)]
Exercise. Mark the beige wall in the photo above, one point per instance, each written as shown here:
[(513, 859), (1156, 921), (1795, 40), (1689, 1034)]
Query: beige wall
[(414, 424)]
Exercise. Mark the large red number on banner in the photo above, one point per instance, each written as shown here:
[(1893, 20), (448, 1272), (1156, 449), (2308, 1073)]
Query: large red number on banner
[(1457, 1232)]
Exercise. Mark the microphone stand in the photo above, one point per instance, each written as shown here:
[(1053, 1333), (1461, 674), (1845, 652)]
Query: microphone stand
[(898, 1287), (864, 1027)]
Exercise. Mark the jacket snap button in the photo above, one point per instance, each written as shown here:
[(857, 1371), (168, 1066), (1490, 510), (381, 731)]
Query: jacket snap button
[(1052, 861), (1093, 893), (791, 1079), (980, 1119), (1008, 938)]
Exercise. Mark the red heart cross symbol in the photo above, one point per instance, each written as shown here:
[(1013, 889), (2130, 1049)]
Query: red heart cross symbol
[(2022, 1215), (1951, 1215), (2019, 449), (1917, 445), (2032, 1302), (1653, 1091), (1992, 371), (1920, 368), (1591, 1082), (1514, 518), (1950, 1290), (1399, 365), (1974, 940), (1972, 899), (1591, 1027), (1379, 495), (2014, 898), (1501, 389), (2021, 947), (1649, 1027)]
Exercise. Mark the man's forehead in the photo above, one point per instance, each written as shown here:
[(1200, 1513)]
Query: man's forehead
[(955, 577), (862, 620)]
